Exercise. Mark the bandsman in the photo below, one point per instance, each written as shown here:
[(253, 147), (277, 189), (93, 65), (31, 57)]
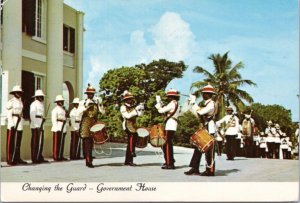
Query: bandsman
[(277, 141), (289, 151), (171, 110), (206, 113), (75, 118), (37, 120), (270, 132), (231, 122), (59, 128), (262, 145), (130, 111), (248, 132), (89, 109), (14, 127), (284, 146)]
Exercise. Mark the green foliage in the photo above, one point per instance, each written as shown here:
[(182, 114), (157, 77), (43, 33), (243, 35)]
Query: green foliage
[(226, 80), (188, 125), (144, 81), (278, 114)]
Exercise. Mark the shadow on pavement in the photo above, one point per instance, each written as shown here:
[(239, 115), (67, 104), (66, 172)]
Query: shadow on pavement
[(226, 172)]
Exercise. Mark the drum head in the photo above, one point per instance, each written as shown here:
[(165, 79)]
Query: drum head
[(97, 127), (142, 132)]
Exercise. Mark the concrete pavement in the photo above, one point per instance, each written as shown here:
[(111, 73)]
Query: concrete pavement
[(109, 168)]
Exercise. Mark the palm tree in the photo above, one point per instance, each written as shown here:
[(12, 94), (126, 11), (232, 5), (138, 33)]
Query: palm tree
[(226, 80)]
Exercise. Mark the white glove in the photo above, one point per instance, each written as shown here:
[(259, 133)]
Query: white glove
[(158, 99), (140, 113), (140, 107), (158, 106), (192, 99)]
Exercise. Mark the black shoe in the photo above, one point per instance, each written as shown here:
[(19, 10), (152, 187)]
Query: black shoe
[(12, 163), (130, 164), (207, 173), (168, 167), (22, 162), (43, 161), (192, 171), (90, 165), (64, 159)]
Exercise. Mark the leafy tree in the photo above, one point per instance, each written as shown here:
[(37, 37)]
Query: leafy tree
[(278, 114), (226, 80), (188, 125), (144, 81)]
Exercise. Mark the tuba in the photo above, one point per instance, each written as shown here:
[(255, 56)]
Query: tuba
[(89, 118)]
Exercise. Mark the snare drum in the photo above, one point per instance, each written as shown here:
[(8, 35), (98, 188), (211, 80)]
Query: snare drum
[(142, 139), (98, 132), (157, 136), (203, 140)]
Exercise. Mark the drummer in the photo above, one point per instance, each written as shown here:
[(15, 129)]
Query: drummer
[(207, 112), (129, 113), (89, 108), (172, 110)]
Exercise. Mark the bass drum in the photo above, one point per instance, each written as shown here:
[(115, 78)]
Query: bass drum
[(157, 136), (98, 132), (143, 137)]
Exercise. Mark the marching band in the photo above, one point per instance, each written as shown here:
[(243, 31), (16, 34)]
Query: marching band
[(239, 139)]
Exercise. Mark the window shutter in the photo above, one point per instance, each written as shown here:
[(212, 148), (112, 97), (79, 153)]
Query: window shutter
[(28, 14), (65, 38), (28, 88), (72, 40)]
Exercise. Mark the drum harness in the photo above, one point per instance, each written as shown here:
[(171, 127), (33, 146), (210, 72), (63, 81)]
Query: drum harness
[(95, 149), (158, 154)]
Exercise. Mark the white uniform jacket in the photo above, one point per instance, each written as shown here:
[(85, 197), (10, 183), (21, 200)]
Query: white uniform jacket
[(277, 136), (262, 142), (208, 110), (171, 123), (232, 122), (36, 114), (284, 144), (127, 115), (75, 117), (58, 116), (14, 109), (270, 132)]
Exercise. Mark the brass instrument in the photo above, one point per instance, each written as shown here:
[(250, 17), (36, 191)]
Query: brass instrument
[(89, 118)]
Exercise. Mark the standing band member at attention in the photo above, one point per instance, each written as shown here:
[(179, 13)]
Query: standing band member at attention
[(14, 127), (129, 113), (75, 118), (231, 131), (270, 132), (277, 141), (172, 110), (37, 120), (59, 129), (207, 114), (89, 108)]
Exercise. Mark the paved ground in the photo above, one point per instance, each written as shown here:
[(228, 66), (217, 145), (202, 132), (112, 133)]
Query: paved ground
[(109, 168)]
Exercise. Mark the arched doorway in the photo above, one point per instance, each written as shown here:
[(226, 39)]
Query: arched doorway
[(68, 94)]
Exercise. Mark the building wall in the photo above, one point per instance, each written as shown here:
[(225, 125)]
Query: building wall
[(34, 59)]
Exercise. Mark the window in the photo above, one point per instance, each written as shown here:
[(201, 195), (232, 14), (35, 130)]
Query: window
[(37, 82), (68, 39), (40, 19)]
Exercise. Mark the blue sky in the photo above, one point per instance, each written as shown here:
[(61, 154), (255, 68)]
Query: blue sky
[(264, 35)]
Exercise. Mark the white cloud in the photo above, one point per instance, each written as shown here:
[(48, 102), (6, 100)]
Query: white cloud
[(171, 39)]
